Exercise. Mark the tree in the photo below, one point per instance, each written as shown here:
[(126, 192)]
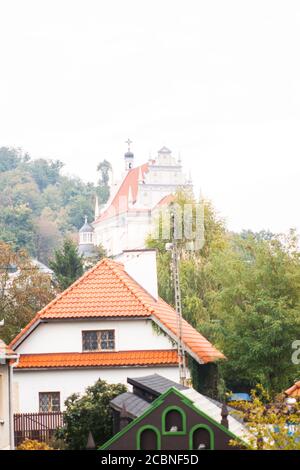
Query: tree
[(48, 237), (67, 264), (103, 190), (29, 187), (79, 207), (89, 413), (243, 294), (271, 425), (257, 304), (45, 172), (17, 227), (10, 158), (24, 290)]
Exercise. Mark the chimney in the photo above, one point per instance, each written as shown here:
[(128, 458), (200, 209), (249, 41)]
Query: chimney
[(141, 266)]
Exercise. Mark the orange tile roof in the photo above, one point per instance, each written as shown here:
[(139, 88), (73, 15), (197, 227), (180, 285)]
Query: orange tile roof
[(98, 359), (108, 291), (119, 203), (294, 391)]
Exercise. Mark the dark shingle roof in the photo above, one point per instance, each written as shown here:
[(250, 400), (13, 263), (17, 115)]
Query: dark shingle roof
[(155, 383), (133, 404)]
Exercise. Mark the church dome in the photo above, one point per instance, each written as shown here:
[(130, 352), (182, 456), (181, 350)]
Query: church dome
[(129, 155), (164, 150), (86, 228)]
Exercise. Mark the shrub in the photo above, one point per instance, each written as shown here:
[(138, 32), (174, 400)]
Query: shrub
[(89, 413), (30, 444)]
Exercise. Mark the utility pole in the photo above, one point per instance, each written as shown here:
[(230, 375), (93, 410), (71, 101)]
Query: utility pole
[(173, 248)]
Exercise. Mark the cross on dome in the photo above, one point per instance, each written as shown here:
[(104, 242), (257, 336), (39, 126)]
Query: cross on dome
[(128, 142)]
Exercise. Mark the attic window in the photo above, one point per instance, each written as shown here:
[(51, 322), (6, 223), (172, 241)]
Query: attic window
[(98, 340), (174, 421), (201, 438)]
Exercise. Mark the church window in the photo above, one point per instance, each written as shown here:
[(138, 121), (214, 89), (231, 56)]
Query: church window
[(98, 340)]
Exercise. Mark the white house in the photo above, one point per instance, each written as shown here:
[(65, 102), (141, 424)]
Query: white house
[(128, 217), (106, 325), (7, 360)]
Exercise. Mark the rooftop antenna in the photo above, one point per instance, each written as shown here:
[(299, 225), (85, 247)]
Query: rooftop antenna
[(173, 248)]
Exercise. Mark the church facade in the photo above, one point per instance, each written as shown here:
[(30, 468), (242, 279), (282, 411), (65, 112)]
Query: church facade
[(129, 215)]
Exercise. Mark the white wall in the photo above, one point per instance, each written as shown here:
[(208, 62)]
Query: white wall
[(30, 383), (67, 337)]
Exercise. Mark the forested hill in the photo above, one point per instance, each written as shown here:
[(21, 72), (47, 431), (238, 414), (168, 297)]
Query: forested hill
[(39, 206)]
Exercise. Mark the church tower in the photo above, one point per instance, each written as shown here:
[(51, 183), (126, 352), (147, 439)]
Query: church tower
[(128, 157), (86, 239)]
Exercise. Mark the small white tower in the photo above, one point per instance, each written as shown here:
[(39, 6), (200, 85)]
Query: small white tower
[(128, 157), (86, 239)]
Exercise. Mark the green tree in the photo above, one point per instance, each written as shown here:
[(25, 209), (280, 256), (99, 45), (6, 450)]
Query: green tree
[(48, 237), (29, 187), (10, 158), (243, 294), (89, 413), (17, 227), (257, 304), (103, 190), (45, 172), (67, 264)]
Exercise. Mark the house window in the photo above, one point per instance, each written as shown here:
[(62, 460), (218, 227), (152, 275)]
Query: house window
[(101, 340), (49, 401)]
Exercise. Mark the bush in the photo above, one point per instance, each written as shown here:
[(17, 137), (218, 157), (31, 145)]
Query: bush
[(30, 444)]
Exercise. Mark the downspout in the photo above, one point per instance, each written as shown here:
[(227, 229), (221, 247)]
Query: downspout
[(10, 403)]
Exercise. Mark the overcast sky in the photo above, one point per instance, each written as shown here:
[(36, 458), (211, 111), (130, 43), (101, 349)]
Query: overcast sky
[(217, 81)]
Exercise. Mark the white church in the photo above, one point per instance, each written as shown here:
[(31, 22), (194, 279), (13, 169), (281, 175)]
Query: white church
[(128, 217)]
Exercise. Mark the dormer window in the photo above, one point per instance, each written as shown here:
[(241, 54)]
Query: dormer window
[(201, 438), (98, 340), (174, 421)]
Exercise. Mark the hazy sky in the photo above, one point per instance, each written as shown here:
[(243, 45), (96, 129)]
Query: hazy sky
[(217, 81)]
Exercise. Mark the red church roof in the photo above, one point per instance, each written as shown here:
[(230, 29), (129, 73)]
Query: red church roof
[(108, 291), (119, 204)]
